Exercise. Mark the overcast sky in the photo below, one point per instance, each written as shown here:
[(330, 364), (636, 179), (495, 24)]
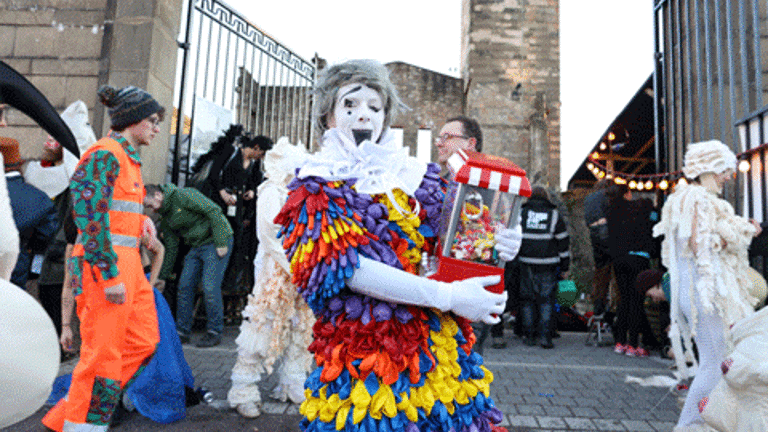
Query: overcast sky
[(606, 48)]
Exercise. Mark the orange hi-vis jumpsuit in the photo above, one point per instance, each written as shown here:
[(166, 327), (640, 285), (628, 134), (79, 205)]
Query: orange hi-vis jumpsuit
[(118, 340)]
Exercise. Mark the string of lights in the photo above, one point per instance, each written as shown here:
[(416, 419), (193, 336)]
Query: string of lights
[(661, 181)]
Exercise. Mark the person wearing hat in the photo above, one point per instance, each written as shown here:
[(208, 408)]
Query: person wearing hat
[(33, 212), (705, 249), (115, 303)]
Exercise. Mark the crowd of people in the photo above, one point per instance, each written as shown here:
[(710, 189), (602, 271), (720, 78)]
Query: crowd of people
[(332, 244)]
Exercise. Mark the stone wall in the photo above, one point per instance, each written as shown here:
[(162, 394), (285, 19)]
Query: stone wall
[(511, 65), (432, 97), (68, 48)]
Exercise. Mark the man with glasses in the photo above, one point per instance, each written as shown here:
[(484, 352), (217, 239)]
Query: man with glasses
[(458, 133), (115, 303), (464, 133)]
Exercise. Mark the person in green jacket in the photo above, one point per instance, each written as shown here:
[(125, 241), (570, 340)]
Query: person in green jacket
[(188, 216)]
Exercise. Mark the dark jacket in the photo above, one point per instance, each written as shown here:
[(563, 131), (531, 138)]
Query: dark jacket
[(35, 218), (189, 216), (630, 225), (595, 206), (546, 243)]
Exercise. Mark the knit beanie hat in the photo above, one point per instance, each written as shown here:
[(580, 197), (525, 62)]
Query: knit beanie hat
[(708, 156), (647, 279), (128, 105)]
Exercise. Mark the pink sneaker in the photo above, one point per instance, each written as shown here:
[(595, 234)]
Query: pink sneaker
[(620, 349), (636, 352)]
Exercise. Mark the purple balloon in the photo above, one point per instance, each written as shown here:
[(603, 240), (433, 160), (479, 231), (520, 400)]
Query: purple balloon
[(336, 304), (403, 315), (354, 307), (382, 312), (366, 318)]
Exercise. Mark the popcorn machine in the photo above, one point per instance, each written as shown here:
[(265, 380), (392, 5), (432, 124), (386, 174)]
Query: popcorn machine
[(484, 198)]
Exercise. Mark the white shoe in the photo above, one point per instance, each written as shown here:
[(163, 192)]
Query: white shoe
[(249, 409)]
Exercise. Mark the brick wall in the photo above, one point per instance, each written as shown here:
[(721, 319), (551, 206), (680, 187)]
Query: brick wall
[(67, 48), (432, 97), (58, 49), (510, 61)]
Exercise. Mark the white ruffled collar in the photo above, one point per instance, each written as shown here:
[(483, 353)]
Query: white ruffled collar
[(378, 168)]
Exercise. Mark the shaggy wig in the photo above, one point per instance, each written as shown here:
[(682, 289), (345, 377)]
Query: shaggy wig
[(368, 72)]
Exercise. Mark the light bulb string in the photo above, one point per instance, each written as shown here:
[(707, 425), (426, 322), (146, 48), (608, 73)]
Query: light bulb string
[(669, 176)]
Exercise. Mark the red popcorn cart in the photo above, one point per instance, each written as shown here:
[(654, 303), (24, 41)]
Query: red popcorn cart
[(484, 198)]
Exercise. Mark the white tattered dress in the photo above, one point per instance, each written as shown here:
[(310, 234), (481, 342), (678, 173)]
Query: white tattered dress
[(277, 323), (714, 282)]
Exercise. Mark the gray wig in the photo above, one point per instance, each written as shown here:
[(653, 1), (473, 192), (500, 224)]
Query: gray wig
[(368, 72)]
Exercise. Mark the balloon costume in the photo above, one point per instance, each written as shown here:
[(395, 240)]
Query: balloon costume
[(391, 355)]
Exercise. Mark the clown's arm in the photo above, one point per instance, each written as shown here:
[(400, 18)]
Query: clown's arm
[(467, 298)]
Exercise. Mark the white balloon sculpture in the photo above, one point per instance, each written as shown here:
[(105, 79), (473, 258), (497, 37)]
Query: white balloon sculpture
[(29, 347)]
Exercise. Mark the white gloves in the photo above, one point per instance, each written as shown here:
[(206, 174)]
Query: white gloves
[(508, 242), (467, 298)]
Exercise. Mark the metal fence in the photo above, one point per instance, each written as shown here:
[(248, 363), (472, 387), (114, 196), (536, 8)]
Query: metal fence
[(708, 71), (228, 62), (712, 86)]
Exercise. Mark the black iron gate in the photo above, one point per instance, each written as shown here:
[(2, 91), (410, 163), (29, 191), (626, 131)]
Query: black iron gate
[(229, 63)]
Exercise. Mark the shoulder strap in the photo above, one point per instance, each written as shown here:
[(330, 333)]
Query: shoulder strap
[(226, 164)]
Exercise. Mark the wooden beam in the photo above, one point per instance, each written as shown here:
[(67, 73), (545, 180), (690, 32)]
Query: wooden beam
[(624, 158)]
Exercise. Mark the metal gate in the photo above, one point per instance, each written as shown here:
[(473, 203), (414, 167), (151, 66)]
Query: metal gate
[(230, 63)]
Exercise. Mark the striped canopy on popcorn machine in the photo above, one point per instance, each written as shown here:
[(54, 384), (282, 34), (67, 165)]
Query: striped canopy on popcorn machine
[(483, 198)]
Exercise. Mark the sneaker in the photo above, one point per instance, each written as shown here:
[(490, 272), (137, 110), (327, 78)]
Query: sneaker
[(546, 343), (249, 409), (209, 340), (640, 352), (620, 349)]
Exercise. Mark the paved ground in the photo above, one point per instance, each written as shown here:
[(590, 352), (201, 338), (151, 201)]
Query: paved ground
[(570, 388)]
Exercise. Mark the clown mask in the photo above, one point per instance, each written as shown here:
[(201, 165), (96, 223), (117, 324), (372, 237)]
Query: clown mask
[(358, 113)]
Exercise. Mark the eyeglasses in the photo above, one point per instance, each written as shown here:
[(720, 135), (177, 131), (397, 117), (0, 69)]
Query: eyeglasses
[(154, 120), (446, 136)]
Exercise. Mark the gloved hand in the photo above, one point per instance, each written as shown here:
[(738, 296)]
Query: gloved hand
[(467, 298), (508, 242), (471, 300)]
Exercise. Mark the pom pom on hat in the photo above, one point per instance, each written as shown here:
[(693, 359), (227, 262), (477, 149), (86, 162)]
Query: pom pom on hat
[(708, 156), (128, 105)]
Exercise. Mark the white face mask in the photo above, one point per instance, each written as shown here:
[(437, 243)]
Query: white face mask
[(359, 113)]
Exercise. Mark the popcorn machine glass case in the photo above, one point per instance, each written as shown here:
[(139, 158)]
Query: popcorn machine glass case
[(483, 198)]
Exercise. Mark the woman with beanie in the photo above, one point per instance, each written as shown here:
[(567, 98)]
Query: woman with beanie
[(115, 303), (705, 249)]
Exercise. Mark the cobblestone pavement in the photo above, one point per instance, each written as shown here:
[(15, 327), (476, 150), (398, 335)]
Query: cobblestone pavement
[(570, 388)]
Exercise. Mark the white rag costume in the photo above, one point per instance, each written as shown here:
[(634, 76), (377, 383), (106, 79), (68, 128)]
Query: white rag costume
[(29, 347), (277, 322), (709, 281)]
